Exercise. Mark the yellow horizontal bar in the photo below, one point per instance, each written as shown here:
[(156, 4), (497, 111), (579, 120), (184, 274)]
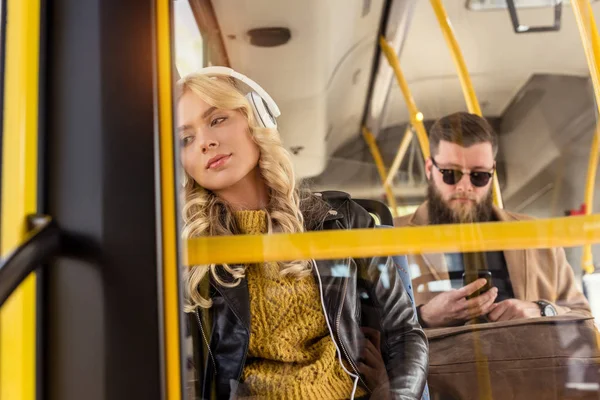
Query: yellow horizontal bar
[(565, 232)]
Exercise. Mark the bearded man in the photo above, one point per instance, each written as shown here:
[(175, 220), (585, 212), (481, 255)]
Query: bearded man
[(525, 283)]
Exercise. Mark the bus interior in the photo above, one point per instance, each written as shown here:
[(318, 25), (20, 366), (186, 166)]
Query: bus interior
[(93, 258)]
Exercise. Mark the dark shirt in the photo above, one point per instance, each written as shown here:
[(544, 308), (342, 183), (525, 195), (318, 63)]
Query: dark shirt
[(492, 261)]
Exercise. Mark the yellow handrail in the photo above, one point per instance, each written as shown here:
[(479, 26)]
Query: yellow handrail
[(357, 243), (587, 260), (590, 40), (588, 31), (19, 192), (416, 118), (457, 57), (463, 76), (370, 139), (408, 136), (170, 278)]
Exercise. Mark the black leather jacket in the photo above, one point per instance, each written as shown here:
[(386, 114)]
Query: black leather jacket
[(370, 294)]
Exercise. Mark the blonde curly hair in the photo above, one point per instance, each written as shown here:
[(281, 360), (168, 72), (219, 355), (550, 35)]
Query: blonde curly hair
[(205, 214)]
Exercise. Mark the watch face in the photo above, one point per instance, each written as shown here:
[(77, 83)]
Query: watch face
[(549, 311)]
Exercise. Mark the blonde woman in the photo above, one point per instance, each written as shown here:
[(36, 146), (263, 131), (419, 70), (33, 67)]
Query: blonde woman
[(335, 329)]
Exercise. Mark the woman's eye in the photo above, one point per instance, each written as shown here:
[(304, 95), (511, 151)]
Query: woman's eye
[(186, 140), (217, 121)]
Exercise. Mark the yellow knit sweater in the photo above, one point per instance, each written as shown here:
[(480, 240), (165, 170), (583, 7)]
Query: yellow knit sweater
[(291, 353)]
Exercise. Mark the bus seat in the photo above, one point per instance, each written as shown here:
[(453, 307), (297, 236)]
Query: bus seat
[(384, 215), (377, 208), (386, 219), (402, 268)]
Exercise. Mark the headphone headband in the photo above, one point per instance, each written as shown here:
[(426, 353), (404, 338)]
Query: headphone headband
[(217, 70)]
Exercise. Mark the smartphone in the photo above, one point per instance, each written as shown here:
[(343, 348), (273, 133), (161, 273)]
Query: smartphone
[(470, 277)]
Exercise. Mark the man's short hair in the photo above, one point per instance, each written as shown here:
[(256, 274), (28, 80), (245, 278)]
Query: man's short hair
[(463, 129)]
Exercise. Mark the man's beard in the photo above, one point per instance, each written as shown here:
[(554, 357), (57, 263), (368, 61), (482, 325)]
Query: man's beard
[(441, 213)]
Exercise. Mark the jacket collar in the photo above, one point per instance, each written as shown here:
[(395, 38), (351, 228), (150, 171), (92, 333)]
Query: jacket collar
[(330, 213), (238, 299)]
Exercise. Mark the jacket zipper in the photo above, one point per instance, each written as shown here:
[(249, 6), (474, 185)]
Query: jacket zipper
[(206, 340), (337, 327), (354, 368)]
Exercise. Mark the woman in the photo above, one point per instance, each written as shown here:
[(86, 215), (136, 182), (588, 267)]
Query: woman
[(335, 329)]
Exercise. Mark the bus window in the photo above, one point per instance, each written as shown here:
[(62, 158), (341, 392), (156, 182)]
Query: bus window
[(2, 47), (305, 139), (189, 49)]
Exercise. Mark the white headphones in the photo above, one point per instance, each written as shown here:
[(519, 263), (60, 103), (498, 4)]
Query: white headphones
[(263, 105)]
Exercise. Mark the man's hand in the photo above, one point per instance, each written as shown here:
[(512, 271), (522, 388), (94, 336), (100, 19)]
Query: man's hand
[(371, 366), (452, 308), (513, 309)]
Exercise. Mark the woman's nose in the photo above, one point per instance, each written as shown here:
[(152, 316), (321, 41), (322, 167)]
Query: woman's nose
[(208, 145)]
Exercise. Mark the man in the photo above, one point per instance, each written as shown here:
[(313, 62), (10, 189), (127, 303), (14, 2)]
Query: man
[(526, 283)]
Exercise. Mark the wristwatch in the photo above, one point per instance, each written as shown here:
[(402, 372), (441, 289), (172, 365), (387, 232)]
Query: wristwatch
[(546, 309)]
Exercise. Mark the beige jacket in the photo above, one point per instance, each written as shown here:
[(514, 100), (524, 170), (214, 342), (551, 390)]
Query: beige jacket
[(535, 274)]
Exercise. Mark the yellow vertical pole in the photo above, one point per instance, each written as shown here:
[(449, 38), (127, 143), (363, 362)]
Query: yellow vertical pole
[(457, 57), (19, 189), (587, 261), (408, 136), (590, 40), (485, 390), (370, 139), (463, 76), (168, 228), (416, 118)]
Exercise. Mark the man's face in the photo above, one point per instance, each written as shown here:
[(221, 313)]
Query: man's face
[(461, 201)]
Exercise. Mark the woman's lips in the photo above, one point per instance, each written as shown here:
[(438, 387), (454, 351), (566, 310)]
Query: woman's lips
[(218, 161)]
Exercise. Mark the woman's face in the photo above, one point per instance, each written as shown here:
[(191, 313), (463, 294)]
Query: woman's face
[(217, 149)]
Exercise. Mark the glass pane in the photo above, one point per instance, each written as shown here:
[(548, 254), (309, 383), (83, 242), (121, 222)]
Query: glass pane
[(2, 47), (500, 296), (189, 51)]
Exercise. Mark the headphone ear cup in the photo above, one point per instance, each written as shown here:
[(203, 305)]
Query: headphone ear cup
[(261, 111)]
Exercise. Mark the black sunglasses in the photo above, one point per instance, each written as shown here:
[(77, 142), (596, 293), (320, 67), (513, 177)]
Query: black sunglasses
[(453, 176)]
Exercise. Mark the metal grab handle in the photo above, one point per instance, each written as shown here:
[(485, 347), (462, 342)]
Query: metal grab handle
[(512, 10), (41, 244)]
